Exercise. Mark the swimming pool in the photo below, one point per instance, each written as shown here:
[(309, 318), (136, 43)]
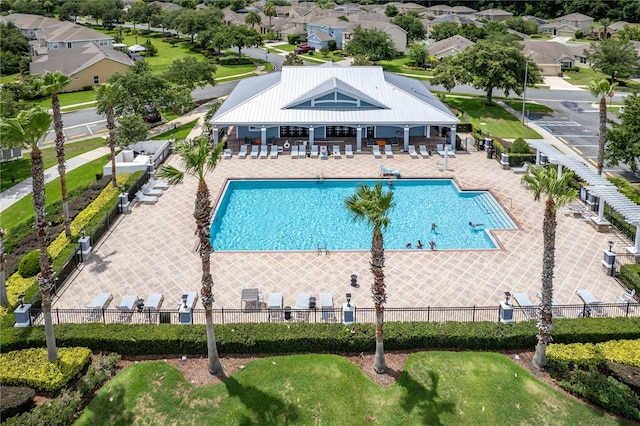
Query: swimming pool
[(286, 215)]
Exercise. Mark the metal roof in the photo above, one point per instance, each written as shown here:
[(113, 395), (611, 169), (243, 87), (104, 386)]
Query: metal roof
[(263, 100)]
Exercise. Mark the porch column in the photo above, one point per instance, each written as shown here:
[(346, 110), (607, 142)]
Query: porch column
[(537, 157), (263, 135), (601, 212), (453, 137), (359, 139), (560, 173), (428, 131), (312, 132), (215, 135), (406, 138)]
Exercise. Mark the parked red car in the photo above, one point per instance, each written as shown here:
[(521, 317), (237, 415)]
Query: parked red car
[(303, 48)]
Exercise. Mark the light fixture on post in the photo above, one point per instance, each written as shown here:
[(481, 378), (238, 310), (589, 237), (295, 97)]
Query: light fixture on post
[(507, 295), (348, 295), (184, 300), (611, 243), (21, 298)]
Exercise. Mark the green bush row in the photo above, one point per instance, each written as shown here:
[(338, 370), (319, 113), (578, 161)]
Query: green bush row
[(630, 276), (164, 339)]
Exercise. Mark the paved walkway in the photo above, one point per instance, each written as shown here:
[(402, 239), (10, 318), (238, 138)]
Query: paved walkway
[(559, 83)]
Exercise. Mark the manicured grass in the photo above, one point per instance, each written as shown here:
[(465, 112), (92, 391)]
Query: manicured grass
[(397, 66), (230, 70), (493, 119), (583, 77), (181, 132), (9, 78), (70, 99), (23, 209), (530, 106), (21, 169), (448, 388)]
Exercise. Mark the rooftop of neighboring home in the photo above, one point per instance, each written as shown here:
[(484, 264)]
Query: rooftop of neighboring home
[(72, 61), (576, 17), (545, 52), (456, 42), (494, 12)]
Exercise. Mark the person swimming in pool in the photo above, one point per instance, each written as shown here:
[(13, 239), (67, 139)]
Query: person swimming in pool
[(419, 245), (475, 225), (408, 245), (434, 227)]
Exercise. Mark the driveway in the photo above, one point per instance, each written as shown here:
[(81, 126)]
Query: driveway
[(559, 83)]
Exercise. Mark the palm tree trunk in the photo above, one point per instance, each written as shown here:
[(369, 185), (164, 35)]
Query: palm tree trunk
[(545, 324), (111, 125), (603, 133), (57, 124), (4, 301), (202, 214), (45, 277), (379, 297)]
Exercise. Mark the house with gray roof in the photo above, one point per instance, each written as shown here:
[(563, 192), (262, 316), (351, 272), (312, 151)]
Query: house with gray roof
[(550, 56), (449, 46), (497, 15), (332, 104)]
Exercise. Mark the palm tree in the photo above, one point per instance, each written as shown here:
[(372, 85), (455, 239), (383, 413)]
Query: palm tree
[(28, 129), (107, 96), (197, 160), (602, 89), (52, 83), (269, 10), (373, 205), (252, 18), (4, 301), (542, 180), (605, 23)]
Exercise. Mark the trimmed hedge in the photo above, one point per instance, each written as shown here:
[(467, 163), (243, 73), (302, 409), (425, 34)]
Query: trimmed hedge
[(15, 400), (164, 339), (630, 276), (29, 265)]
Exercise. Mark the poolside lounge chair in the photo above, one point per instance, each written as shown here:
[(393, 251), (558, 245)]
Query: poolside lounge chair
[(294, 151), (302, 307), (157, 184), (528, 308), (243, 152), (387, 151), (275, 307), (445, 148), (389, 172), (326, 307), (423, 151), (593, 306), (146, 190), (412, 152), (556, 309), (302, 151), (348, 151), (314, 151), (627, 297), (145, 198), (274, 151), (376, 151), (152, 307), (520, 170), (336, 152), (255, 151), (227, 154), (264, 152), (96, 307), (126, 307)]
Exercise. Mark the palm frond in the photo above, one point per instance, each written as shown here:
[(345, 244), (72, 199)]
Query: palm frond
[(172, 174)]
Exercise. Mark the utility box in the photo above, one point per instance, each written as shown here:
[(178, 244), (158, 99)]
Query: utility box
[(123, 203), (506, 312), (23, 315), (348, 313), (609, 263), (185, 315), (84, 245), (504, 161)]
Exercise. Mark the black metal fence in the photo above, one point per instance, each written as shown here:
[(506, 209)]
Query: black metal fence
[(360, 315)]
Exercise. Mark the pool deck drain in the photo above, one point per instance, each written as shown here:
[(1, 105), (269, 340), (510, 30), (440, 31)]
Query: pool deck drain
[(151, 249)]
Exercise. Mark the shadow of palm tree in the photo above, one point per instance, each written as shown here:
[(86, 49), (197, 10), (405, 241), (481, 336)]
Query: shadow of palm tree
[(266, 408), (98, 263), (114, 400), (425, 400)]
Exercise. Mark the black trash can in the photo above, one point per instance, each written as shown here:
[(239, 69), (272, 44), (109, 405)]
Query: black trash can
[(287, 313), (489, 152), (312, 302)]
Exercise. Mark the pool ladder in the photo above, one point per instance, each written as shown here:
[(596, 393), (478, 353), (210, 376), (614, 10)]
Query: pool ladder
[(323, 250)]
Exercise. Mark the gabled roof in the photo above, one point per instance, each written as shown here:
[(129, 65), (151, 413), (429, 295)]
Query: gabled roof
[(371, 97), (462, 9), (453, 18), (71, 61), (578, 17), (494, 12), (456, 42), (25, 21), (547, 52)]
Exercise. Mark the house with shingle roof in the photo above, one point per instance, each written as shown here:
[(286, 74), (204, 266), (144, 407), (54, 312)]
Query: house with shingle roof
[(86, 66), (449, 46), (550, 56), (497, 15)]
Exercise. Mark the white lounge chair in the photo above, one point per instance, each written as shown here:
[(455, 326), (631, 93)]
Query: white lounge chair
[(146, 190), (442, 148), (423, 151), (520, 170), (592, 305), (314, 151), (528, 308), (264, 152), (152, 307), (387, 151), (157, 184), (227, 154), (302, 151), (302, 307), (243, 152), (125, 308), (389, 172), (326, 307), (294, 151), (101, 301), (275, 307), (412, 152), (145, 198), (627, 297), (255, 151), (376, 151), (324, 153), (348, 151), (274, 151), (336, 152)]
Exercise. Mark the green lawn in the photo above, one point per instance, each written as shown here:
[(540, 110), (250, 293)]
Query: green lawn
[(583, 77), (70, 99), (530, 106), (9, 78), (445, 388), (23, 209), (492, 119), (181, 132), (21, 169), (397, 66)]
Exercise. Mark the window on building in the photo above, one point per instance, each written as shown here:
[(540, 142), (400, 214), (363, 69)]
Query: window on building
[(583, 60), (96, 79), (69, 45)]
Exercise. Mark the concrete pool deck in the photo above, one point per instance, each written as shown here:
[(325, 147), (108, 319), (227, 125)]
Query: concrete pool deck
[(152, 249)]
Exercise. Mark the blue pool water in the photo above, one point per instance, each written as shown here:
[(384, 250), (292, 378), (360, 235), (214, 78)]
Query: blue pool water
[(281, 215)]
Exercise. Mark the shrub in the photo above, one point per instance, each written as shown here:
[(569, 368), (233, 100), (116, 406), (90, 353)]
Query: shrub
[(60, 411), (293, 39), (630, 276), (520, 146), (30, 264), (15, 400), (30, 367), (16, 285)]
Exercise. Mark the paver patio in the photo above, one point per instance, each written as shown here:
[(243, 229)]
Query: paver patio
[(152, 249)]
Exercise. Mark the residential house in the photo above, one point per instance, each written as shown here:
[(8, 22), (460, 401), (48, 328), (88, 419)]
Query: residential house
[(550, 56), (610, 31), (497, 15), (439, 10), (463, 11), (86, 66), (577, 20), (450, 46)]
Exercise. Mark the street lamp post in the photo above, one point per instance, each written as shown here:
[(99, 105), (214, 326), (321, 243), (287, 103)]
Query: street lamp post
[(524, 90), (266, 55)]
